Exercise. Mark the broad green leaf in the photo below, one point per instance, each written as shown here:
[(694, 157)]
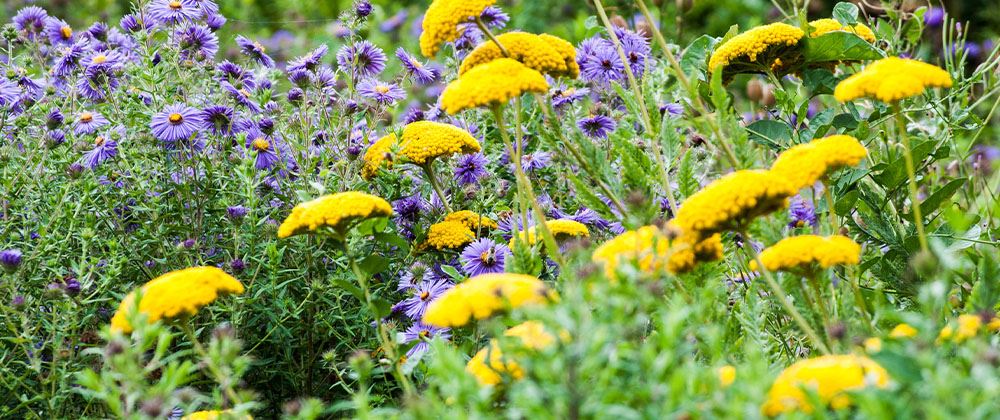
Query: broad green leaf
[(845, 13), (695, 56), (839, 46), (932, 203), (819, 81), (374, 264), (770, 133)]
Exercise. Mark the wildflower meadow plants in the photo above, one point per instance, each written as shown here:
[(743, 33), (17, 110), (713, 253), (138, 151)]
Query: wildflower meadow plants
[(443, 212)]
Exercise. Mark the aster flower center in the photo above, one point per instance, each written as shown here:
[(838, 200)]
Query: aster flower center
[(99, 59), (86, 117), (261, 144), (100, 141), (424, 295), (66, 32), (176, 118), (568, 92), (382, 89), (424, 333), (176, 5), (487, 256), (260, 47)]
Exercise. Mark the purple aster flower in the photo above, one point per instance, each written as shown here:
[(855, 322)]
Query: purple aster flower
[(484, 256), (99, 79), (415, 68), (982, 158), (215, 21), (418, 273), (241, 96), (394, 22), (309, 61), (636, 49), (10, 259), (60, 33), (9, 92), (98, 31), (361, 60), (176, 122), (266, 151), (103, 150), (562, 96), (69, 57), (55, 137), (590, 218), (174, 11), (801, 213), (597, 126), (599, 62), (423, 334), (673, 109), (237, 212), (231, 72), (469, 169), (134, 23), (196, 42), (934, 17), (88, 122), (255, 51), (409, 208), (218, 120), (423, 294), (30, 21), (362, 8), (382, 92), (535, 161)]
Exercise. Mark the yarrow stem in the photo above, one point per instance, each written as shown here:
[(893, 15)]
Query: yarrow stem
[(918, 219), (489, 34), (198, 348), (429, 171)]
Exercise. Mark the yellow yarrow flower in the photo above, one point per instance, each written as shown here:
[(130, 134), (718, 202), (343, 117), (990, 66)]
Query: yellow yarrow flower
[(532, 336), (752, 46), (375, 156), (968, 327), (807, 163), (903, 331), (484, 295), (652, 250), (336, 211), (892, 79), (213, 415), (568, 53), (493, 83), (472, 220), (176, 294), (441, 22), (424, 141), (531, 50), (449, 234), (873, 344), (805, 252), (727, 375), (732, 201), (688, 253), (830, 377), (561, 229), (825, 26)]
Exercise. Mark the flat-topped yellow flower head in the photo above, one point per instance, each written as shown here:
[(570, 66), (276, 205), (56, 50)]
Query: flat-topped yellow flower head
[(903, 330), (375, 156), (532, 336), (758, 46), (652, 250), (807, 163), (830, 377), (568, 53), (336, 211), (449, 234), (531, 50), (732, 201), (441, 22), (424, 141), (806, 252), (892, 79), (687, 253), (176, 294), (825, 26), (213, 415), (484, 295), (493, 83), (472, 220), (561, 229)]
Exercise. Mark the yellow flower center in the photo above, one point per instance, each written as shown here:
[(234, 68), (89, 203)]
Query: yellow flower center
[(382, 89), (66, 32), (568, 92), (99, 59), (176, 118), (487, 256), (424, 333), (100, 140), (260, 47), (424, 295), (86, 117), (261, 144), (176, 5)]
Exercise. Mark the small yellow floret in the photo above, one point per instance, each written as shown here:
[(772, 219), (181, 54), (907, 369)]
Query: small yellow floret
[(561, 229), (375, 156), (441, 22), (807, 163), (532, 335), (805, 252), (424, 141), (337, 211), (732, 201), (830, 377), (892, 79), (493, 83), (531, 50), (825, 26), (751, 45), (449, 234), (484, 295), (903, 331), (472, 220), (176, 294)]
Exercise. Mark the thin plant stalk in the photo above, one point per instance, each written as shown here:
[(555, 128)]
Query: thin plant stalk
[(780, 294), (834, 223), (198, 348), (432, 178), (918, 219)]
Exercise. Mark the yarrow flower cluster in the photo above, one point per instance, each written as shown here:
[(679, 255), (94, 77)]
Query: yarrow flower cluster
[(442, 19), (491, 84), (892, 79), (806, 252), (482, 296), (807, 163), (176, 294), (489, 363), (830, 377), (337, 211), (561, 229), (534, 51), (759, 46), (424, 141), (824, 26), (733, 200)]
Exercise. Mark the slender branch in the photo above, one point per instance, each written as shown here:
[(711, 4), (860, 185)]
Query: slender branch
[(429, 171), (918, 219)]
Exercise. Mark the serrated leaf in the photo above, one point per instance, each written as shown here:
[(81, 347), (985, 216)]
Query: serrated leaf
[(839, 46), (770, 133), (686, 182), (695, 56), (586, 195)]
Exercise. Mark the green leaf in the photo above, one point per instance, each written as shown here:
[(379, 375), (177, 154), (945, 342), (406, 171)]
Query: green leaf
[(686, 182), (839, 46), (695, 56), (938, 197), (845, 205), (845, 122), (394, 240), (819, 81), (770, 133), (374, 264), (901, 367), (350, 287), (845, 13), (452, 272), (382, 308)]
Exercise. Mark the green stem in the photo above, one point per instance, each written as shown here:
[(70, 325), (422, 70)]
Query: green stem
[(780, 294), (834, 224), (198, 348), (429, 171), (918, 219), (489, 34)]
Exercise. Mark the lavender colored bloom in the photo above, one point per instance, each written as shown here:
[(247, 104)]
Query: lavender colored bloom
[(69, 58), (9, 92), (415, 68), (218, 120), (599, 62), (103, 150), (934, 17), (215, 21), (423, 294), (484, 256), (237, 212), (983, 157), (231, 72), (98, 31), (636, 49), (174, 11), (409, 208), (241, 96), (99, 77), (255, 51), (55, 137), (381, 92), (494, 17), (469, 169), (801, 213), (562, 96), (363, 8), (673, 109), (197, 42), (361, 60), (88, 122), (134, 23), (31, 21), (531, 162), (71, 286), (418, 273), (423, 333), (55, 119), (394, 22), (10, 259), (176, 122), (309, 61), (597, 126), (60, 33)]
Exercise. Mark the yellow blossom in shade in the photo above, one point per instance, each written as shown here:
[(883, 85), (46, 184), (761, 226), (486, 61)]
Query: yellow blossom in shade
[(825, 26), (213, 415), (732, 201), (727, 375), (176, 294), (903, 331), (993, 325), (805, 252), (375, 156), (807, 163), (561, 229), (830, 377), (530, 49), (568, 53), (873, 344), (424, 141), (472, 220), (337, 211), (892, 79), (449, 234), (968, 327), (750, 45), (532, 336), (484, 295), (493, 83), (647, 246), (441, 22)]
